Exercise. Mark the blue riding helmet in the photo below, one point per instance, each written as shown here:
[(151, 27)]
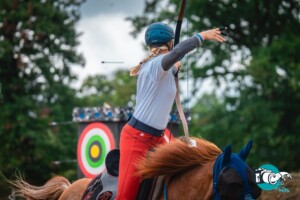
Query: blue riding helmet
[(158, 33)]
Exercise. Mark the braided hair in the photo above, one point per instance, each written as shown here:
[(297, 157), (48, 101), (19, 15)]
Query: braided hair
[(154, 51)]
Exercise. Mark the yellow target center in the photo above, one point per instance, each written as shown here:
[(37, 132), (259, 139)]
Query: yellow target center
[(95, 151)]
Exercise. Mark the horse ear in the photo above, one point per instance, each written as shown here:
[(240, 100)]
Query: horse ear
[(227, 155), (245, 151)]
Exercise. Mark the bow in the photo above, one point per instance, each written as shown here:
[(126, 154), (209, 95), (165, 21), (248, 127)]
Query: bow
[(176, 41), (179, 22)]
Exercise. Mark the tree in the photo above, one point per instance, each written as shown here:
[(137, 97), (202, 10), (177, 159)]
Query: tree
[(38, 44), (119, 89), (259, 64)]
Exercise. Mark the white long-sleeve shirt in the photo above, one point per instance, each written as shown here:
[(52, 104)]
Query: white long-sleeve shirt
[(156, 87)]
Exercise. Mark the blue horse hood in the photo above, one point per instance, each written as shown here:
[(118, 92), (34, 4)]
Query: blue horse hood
[(236, 161)]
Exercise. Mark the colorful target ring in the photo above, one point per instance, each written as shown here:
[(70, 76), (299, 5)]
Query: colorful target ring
[(95, 141)]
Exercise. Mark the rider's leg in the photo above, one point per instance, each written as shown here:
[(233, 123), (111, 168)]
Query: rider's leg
[(134, 145)]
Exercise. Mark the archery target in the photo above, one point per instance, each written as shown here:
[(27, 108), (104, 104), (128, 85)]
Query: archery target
[(95, 141)]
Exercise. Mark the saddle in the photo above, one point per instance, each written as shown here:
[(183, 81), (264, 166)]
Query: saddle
[(104, 186)]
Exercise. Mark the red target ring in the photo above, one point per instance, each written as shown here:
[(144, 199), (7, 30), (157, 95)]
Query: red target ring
[(95, 141)]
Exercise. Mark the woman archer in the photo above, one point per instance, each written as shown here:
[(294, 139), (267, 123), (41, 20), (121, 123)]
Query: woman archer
[(156, 91)]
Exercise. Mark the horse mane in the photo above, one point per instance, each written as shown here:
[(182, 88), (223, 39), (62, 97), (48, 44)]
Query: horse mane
[(176, 157)]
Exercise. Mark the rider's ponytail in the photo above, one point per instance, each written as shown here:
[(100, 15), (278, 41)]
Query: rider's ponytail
[(154, 52)]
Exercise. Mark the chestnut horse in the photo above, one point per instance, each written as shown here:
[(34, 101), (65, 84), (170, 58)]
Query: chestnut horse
[(187, 165)]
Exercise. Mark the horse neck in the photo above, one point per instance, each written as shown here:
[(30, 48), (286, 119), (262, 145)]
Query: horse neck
[(193, 183)]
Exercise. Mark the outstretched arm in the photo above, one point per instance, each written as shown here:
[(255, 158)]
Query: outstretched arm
[(188, 45)]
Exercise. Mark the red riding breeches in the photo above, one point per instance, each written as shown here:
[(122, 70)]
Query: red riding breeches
[(134, 145)]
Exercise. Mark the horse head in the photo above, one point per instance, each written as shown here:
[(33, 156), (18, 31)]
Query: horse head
[(232, 177)]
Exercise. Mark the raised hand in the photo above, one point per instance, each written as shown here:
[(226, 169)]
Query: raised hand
[(214, 34)]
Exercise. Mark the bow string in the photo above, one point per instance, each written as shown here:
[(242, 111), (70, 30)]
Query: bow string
[(176, 41)]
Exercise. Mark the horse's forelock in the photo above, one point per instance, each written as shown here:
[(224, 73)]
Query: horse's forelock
[(177, 156)]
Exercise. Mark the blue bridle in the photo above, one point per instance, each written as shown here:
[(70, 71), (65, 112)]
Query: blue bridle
[(236, 161)]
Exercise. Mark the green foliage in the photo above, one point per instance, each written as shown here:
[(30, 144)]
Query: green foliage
[(117, 91), (259, 67), (37, 48)]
